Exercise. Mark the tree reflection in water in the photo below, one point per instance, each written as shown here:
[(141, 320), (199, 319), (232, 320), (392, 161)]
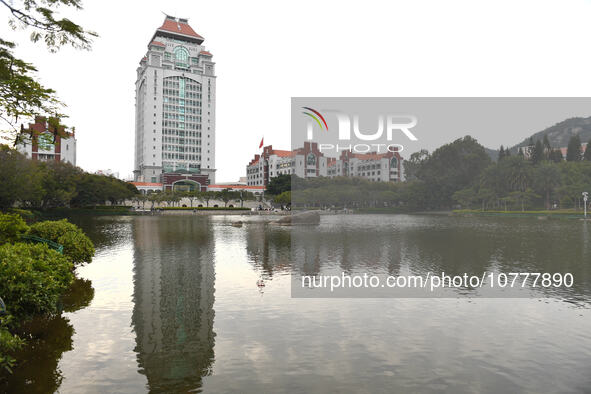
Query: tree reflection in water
[(48, 338)]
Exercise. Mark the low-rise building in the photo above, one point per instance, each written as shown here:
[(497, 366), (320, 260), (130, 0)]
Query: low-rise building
[(378, 167), (44, 141), (309, 162), (305, 162)]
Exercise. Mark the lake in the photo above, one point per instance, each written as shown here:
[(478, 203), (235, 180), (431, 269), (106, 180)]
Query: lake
[(171, 304)]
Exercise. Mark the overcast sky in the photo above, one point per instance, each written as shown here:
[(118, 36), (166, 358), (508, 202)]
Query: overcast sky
[(268, 51)]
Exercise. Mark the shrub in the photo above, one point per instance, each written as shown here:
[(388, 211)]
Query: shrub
[(77, 246), (29, 216), (33, 278), (12, 226), (8, 344)]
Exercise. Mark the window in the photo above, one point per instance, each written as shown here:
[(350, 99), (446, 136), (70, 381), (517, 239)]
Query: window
[(311, 159), (181, 56), (394, 162)]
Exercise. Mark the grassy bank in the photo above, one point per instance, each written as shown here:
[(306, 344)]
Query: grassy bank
[(92, 210), (557, 213), (205, 209)]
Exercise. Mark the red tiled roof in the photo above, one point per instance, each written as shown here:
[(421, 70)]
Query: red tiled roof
[(206, 53), (281, 153), (179, 27), (235, 187), (157, 43), (146, 184), (373, 156)]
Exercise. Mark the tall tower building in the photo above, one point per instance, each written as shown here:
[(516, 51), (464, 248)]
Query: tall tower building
[(175, 108)]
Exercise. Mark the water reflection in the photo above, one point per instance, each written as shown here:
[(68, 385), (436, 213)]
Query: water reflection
[(173, 301), (268, 250), (165, 275), (416, 245), (47, 339)]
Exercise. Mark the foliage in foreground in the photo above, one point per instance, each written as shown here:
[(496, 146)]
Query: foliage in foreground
[(12, 226), (33, 278), (78, 248)]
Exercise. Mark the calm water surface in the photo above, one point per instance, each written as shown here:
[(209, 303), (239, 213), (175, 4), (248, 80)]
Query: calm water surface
[(170, 304)]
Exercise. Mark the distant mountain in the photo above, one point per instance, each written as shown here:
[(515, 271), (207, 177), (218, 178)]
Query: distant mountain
[(558, 135)]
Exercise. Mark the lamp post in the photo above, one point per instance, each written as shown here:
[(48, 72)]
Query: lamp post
[(585, 198)]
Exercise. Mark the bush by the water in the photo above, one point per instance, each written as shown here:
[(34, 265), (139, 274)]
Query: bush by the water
[(12, 226), (77, 246), (33, 278), (8, 343)]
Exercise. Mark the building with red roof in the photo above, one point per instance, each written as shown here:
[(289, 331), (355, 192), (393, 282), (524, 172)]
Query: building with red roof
[(175, 108), (44, 140), (378, 167), (305, 162), (310, 162)]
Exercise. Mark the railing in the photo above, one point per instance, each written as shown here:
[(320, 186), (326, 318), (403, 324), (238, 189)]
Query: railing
[(34, 239)]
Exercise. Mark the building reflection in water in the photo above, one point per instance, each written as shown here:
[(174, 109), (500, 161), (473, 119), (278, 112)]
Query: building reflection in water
[(268, 248), (174, 296)]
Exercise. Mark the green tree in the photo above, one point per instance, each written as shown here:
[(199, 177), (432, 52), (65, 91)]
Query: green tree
[(546, 179), (538, 155), (226, 195), (21, 94), (523, 198), (501, 153), (414, 162), (466, 197), (283, 198), (207, 196), (547, 147), (452, 167), (59, 181), (20, 179), (191, 195), (587, 154), (279, 184), (573, 152)]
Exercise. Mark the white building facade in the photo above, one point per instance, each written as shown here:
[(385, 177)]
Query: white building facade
[(378, 167), (309, 162), (175, 105), (306, 162)]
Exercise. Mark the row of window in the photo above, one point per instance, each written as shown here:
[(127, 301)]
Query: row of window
[(181, 117), (177, 84), (181, 149), (180, 156), (181, 109), (181, 133), (181, 125)]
